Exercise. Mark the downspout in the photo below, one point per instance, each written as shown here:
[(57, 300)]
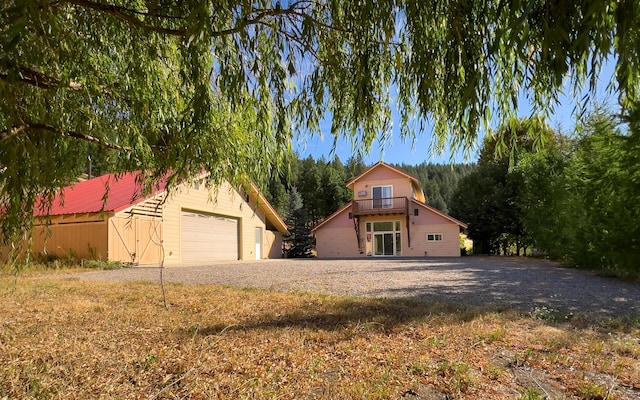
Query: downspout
[(356, 225), (408, 225)]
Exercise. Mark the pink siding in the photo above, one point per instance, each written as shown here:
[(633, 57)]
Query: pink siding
[(340, 220), (401, 188), (341, 242), (337, 243), (337, 237), (448, 247), (382, 174), (426, 216)]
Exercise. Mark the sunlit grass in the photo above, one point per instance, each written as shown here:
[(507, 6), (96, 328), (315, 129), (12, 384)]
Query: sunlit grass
[(64, 338)]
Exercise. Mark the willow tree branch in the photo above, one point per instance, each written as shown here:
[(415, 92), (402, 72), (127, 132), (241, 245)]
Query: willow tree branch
[(260, 15), (40, 80), (15, 130), (256, 16), (124, 14)]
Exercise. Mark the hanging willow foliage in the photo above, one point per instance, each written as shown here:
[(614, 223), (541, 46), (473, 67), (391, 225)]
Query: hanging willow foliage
[(179, 87)]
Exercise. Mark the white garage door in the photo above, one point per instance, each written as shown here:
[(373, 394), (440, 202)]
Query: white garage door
[(206, 238)]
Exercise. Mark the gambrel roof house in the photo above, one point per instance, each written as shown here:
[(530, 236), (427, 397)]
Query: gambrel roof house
[(190, 226), (388, 216)]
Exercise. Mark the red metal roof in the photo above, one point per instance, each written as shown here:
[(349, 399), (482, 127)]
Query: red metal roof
[(89, 196)]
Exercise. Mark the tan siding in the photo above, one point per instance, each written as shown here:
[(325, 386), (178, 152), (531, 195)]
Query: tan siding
[(228, 202), (79, 240), (150, 241), (122, 240), (272, 244), (135, 239)]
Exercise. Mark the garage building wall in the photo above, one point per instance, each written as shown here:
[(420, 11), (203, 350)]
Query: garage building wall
[(135, 239), (227, 202), (79, 239), (272, 244)]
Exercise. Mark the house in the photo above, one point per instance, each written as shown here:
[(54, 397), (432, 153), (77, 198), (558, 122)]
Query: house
[(388, 216), (188, 226)]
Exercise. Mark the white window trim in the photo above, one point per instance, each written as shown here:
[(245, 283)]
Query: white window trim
[(393, 230), (435, 237), (388, 203)]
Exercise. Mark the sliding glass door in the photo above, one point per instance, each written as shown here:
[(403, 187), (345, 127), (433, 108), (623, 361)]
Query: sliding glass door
[(382, 196), (387, 238)]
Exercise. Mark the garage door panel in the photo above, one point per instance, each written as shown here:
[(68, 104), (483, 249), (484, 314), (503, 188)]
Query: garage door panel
[(206, 238)]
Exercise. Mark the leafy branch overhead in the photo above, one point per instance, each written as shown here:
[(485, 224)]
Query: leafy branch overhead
[(177, 87)]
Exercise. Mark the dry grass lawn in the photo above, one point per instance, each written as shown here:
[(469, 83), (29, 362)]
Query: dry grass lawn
[(78, 340)]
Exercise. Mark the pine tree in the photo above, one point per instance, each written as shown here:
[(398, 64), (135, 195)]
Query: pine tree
[(298, 243)]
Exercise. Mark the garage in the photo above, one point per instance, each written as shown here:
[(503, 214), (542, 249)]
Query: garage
[(192, 225), (208, 237)]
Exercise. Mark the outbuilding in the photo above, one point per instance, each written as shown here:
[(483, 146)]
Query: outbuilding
[(111, 218)]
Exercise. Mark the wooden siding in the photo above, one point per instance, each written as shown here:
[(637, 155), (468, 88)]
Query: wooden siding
[(84, 240), (135, 239), (226, 202)]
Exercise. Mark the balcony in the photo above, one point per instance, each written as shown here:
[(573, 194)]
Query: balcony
[(381, 206)]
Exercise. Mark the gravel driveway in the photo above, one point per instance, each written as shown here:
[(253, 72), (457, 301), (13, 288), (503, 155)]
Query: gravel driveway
[(520, 283)]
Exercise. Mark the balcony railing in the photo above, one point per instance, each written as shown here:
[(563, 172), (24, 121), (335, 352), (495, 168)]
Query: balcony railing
[(381, 206)]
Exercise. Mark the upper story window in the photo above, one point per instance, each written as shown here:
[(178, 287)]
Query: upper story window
[(382, 196)]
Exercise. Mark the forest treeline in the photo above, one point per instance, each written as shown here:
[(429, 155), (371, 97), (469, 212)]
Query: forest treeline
[(574, 199), (321, 184)]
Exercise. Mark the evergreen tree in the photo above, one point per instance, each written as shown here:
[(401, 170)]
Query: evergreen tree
[(355, 166), (298, 243), (310, 186), (334, 193), (278, 196)]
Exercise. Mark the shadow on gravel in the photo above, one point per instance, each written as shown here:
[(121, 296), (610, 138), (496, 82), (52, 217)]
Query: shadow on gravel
[(528, 286)]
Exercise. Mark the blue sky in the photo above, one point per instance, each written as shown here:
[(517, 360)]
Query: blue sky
[(409, 153)]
